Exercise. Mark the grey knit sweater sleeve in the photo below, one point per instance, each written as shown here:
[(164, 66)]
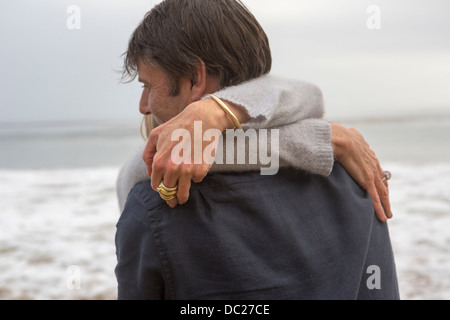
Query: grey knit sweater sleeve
[(273, 101), (294, 107)]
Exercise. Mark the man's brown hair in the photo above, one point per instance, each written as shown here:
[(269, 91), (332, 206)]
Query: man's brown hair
[(178, 35)]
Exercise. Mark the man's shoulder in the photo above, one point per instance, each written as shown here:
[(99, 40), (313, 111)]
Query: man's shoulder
[(226, 185), (143, 194)]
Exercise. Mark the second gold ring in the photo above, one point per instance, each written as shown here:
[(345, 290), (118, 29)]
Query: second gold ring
[(167, 193)]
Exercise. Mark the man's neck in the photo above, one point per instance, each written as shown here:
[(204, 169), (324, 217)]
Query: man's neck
[(212, 84)]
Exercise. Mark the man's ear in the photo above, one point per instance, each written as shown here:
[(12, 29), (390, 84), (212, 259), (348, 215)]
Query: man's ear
[(199, 87)]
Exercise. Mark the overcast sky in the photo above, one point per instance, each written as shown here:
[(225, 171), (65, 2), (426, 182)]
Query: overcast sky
[(51, 72)]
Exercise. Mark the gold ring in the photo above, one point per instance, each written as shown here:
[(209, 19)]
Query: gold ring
[(167, 193), (163, 187), (387, 176), (166, 198)]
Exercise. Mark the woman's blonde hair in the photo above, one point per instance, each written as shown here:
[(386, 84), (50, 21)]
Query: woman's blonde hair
[(146, 126)]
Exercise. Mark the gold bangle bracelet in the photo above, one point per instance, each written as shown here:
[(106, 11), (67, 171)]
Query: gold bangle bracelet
[(227, 111)]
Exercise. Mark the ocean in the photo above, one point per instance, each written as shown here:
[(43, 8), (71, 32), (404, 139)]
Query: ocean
[(59, 208)]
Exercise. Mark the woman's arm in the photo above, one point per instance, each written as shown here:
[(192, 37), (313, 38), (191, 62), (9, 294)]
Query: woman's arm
[(266, 102), (293, 107), (272, 101)]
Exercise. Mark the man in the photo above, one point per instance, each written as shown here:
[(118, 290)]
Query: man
[(241, 235)]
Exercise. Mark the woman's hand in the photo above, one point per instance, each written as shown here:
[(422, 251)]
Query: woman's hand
[(355, 155), (158, 152)]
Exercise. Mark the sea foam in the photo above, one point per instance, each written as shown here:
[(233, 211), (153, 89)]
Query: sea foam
[(58, 228)]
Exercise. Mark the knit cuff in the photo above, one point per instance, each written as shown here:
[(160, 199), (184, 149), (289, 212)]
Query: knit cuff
[(323, 148)]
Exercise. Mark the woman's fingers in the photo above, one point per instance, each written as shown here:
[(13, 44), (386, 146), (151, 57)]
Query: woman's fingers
[(148, 154), (169, 188), (158, 169), (163, 159), (377, 204), (383, 191), (363, 165), (368, 181), (378, 189), (184, 185)]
